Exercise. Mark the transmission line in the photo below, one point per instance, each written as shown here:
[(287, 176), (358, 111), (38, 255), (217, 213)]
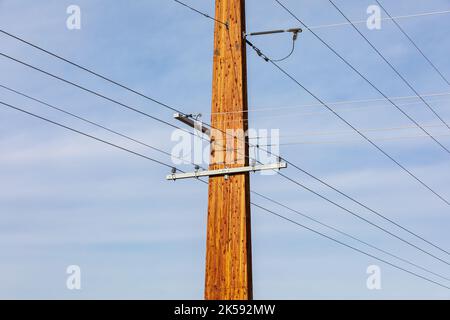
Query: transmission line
[(86, 135), (201, 13), (347, 245), (129, 89), (256, 205), (92, 123), (358, 131), (394, 20), (405, 81), (363, 77)]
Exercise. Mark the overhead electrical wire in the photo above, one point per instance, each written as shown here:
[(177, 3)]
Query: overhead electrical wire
[(358, 216), (335, 103), (168, 154), (85, 134), (256, 205), (170, 108), (422, 53), (400, 75), (90, 91), (347, 235), (291, 77), (341, 132), (201, 13), (353, 127), (361, 75), (346, 245), (316, 112), (92, 123), (416, 15), (342, 141)]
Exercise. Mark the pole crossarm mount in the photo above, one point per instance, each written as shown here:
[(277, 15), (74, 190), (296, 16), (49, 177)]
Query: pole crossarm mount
[(294, 31), (226, 171), (192, 122)]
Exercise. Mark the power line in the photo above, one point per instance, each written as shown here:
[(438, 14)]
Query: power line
[(168, 154), (353, 213), (201, 13), (89, 136), (105, 78), (341, 132), (90, 91), (363, 77), (92, 122), (323, 182), (362, 134), (342, 141), (89, 71), (99, 95), (166, 165), (362, 218), (335, 103), (392, 66), (86, 134), (268, 59), (353, 127), (97, 74), (347, 235), (394, 20), (316, 112), (348, 246), (417, 15)]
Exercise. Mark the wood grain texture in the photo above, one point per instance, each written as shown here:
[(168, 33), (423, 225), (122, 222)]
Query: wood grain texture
[(228, 252)]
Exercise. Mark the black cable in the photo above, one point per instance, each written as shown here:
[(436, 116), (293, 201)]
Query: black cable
[(288, 56), (359, 132), (173, 109), (353, 127), (391, 66), (89, 121), (86, 135), (349, 246), (201, 13), (89, 71), (414, 44), (363, 77), (92, 92), (366, 207), (348, 235), (351, 198), (364, 219), (166, 165)]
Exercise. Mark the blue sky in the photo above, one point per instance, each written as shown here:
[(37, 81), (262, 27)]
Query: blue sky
[(68, 200)]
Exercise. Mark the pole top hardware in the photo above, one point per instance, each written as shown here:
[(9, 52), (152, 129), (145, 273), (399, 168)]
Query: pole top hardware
[(295, 31), (192, 121), (226, 172)]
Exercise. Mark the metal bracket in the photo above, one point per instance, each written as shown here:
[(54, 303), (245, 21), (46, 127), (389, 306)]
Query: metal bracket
[(192, 122), (226, 171), (295, 31)]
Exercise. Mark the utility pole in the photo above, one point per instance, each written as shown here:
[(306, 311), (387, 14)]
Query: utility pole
[(228, 245), (228, 239)]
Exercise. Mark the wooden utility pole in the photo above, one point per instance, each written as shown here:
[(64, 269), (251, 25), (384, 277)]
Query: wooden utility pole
[(228, 247)]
